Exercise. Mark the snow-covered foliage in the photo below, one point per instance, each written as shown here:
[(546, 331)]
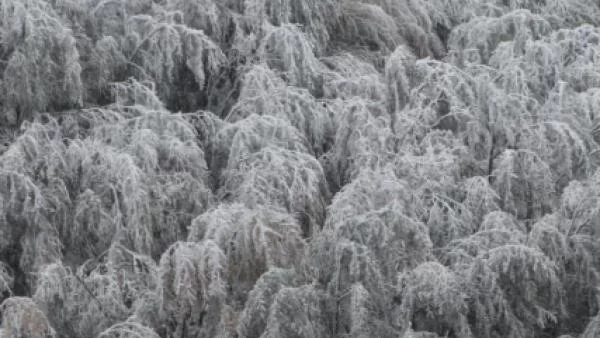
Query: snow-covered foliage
[(40, 61), (192, 288), (300, 168), (253, 240), (22, 318)]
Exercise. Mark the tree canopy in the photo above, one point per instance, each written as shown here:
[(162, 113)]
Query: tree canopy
[(299, 168)]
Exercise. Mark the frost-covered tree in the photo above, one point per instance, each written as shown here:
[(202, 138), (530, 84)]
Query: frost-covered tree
[(433, 300), (155, 155), (40, 61), (353, 76), (315, 18), (355, 281), (376, 210), (476, 40), (128, 330), (204, 15), (399, 72), (264, 92), (577, 223), (237, 141), (441, 97), (525, 184), (253, 240), (22, 318), (363, 140), (100, 293), (516, 291), (253, 319), (369, 236), (368, 25), (279, 178), (560, 14), (419, 24), (29, 239), (192, 288), (289, 51), (6, 280), (168, 52), (300, 312), (479, 197)]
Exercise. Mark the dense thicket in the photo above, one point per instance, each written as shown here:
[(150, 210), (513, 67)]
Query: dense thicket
[(299, 168)]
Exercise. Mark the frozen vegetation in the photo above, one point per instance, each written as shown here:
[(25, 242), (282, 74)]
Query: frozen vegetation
[(299, 168)]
